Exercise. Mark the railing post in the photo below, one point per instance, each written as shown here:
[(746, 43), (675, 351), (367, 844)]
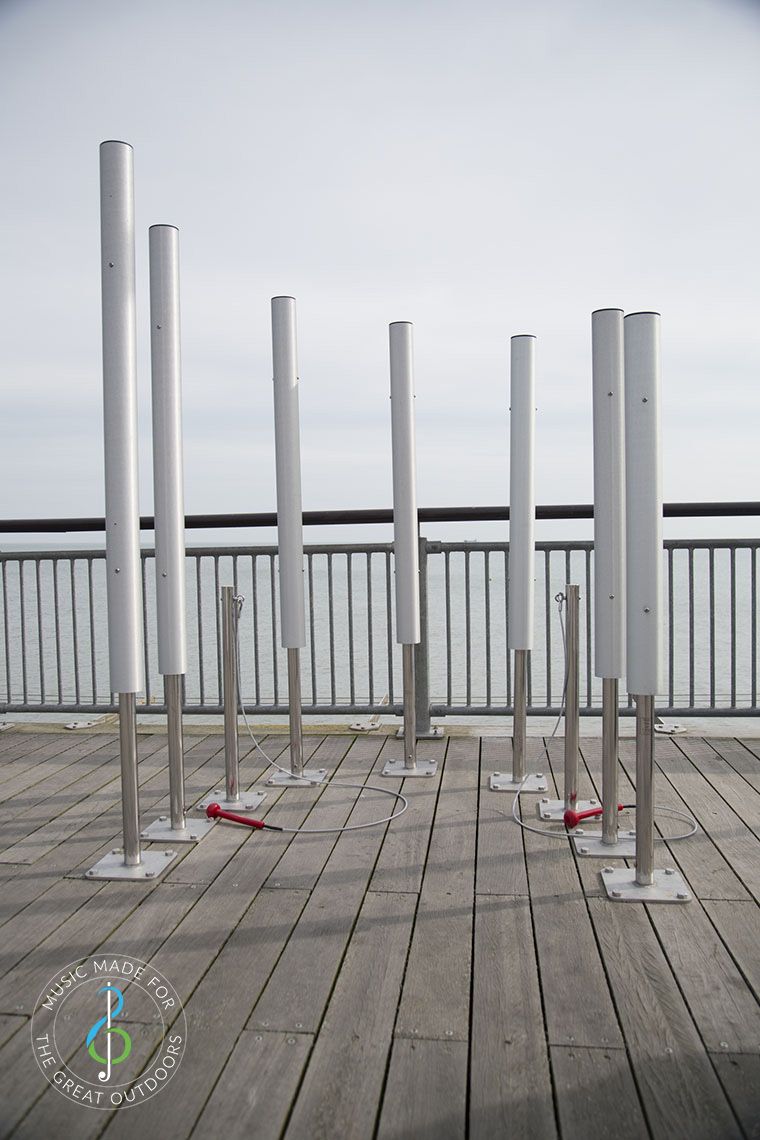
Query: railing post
[(422, 654)]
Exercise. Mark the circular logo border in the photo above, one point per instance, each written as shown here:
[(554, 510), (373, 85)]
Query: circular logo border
[(50, 1060)]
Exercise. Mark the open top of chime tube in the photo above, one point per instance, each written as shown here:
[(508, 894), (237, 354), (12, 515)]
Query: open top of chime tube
[(643, 458), (609, 492), (405, 534), (168, 492), (124, 594), (522, 504), (287, 441)]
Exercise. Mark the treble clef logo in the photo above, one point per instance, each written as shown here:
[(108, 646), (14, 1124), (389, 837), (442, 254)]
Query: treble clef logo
[(109, 1059)]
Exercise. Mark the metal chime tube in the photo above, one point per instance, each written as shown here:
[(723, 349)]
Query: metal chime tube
[(522, 544), (644, 608), (169, 497), (124, 595), (405, 535), (289, 510)]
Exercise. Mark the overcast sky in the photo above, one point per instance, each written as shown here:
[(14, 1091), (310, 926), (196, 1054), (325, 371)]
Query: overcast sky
[(481, 169)]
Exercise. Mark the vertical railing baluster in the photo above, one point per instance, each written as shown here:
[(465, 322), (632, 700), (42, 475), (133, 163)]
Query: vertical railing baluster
[(146, 656), (218, 629), (447, 586), (6, 635), (506, 627), (57, 614), (548, 630), (198, 596), (389, 622), (370, 655), (753, 627), (39, 630), (91, 607), (733, 627), (22, 599), (273, 606), (691, 626), (331, 626), (467, 631), (487, 587), (256, 646), (712, 625), (75, 632), (312, 634), (349, 590), (671, 631), (587, 604)]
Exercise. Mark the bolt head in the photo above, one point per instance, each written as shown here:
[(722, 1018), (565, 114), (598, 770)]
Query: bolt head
[(150, 874), (682, 896), (162, 818), (497, 774), (607, 870), (669, 871), (583, 850), (616, 894)]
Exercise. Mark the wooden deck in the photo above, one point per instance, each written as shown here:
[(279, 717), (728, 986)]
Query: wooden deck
[(447, 976)]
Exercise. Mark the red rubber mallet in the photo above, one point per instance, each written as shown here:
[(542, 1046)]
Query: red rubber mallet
[(573, 818), (214, 811)]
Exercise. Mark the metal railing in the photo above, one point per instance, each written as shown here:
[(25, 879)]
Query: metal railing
[(54, 655)]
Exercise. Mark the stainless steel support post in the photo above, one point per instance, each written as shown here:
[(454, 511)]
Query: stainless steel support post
[(297, 777), (572, 727), (294, 712), (130, 809), (645, 884), (520, 716), (173, 698), (229, 681), (555, 809), (518, 781), (410, 719), (175, 827), (611, 843), (610, 742), (130, 862), (410, 765), (644, 790), (231, 799)]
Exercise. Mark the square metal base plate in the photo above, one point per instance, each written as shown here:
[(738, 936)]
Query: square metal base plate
[(310, 778), (112, 866), (590, 844), (161, 831), (555, 809), (668, 886), (503, 782), (248, 801), (436, 732), (423, 768)]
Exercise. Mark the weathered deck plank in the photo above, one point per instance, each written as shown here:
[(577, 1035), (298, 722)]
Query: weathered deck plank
[(446, 976)]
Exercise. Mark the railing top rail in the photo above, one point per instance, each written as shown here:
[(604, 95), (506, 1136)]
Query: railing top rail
[(375, 515), (434, 547)]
